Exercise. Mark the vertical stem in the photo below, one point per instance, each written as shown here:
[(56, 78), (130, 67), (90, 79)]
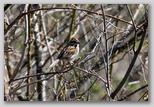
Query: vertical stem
[(38, 56), (6, 83), (106, 56), (27, 27), (48, 47)]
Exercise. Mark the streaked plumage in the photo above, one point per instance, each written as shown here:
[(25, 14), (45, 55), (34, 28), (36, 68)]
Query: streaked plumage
[(69, 52)]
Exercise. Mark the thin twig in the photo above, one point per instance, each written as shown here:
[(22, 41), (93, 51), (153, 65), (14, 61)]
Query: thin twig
[(134, 25), (107, 54), (139, 89)]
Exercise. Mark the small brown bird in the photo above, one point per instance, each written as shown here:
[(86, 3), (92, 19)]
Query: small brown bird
[(69, 52)]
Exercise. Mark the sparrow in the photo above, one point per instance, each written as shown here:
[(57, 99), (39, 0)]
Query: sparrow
[(69, 52)]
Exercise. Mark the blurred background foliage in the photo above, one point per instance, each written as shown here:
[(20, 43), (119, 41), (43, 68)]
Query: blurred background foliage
[(113, 47)]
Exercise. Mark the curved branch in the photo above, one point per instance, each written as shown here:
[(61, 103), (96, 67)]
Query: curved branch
[(29, 12)]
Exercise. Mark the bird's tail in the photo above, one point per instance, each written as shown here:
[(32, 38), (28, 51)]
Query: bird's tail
[(54, 63)]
